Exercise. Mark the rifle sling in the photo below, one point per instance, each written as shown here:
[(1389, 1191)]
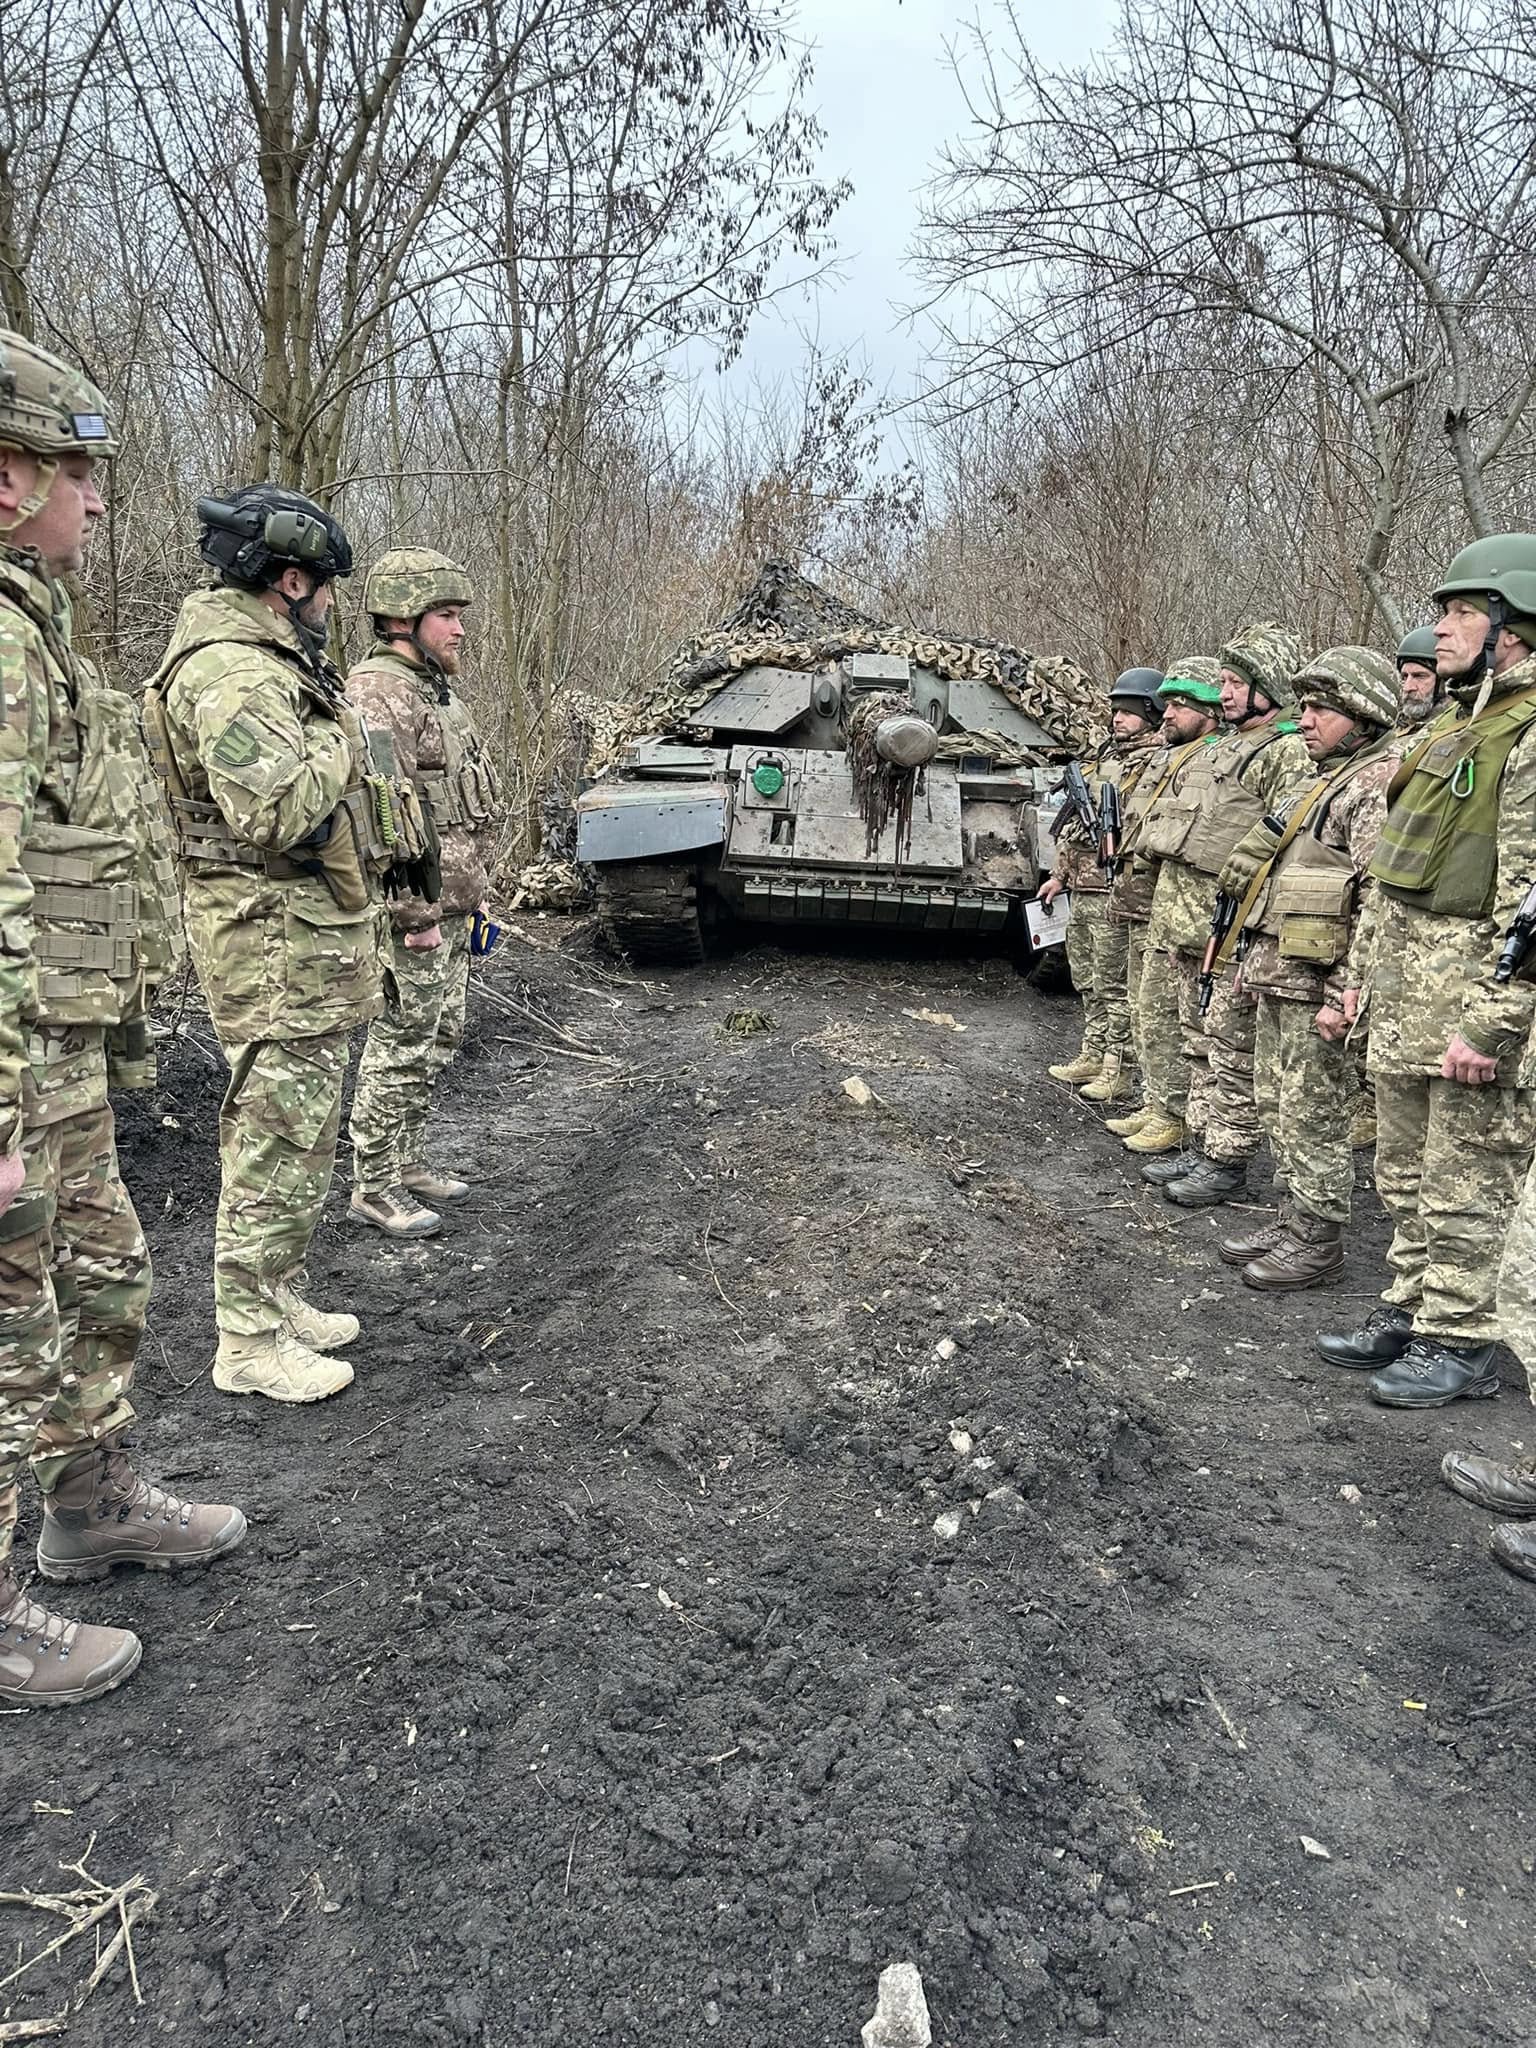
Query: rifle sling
[(1298, 818)]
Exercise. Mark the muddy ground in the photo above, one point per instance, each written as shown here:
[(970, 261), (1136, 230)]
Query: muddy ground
[(594, 1673)]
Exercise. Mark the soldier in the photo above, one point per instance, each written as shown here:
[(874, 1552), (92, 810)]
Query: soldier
[(78, 898), (1423, 691), (1295, 921), (279, 835), (1191, 698), (1259, 761), (1457, 854), (1097, 945), (403, 686)]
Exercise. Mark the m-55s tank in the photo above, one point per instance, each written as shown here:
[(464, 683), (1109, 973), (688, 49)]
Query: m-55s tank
[(806, 765)]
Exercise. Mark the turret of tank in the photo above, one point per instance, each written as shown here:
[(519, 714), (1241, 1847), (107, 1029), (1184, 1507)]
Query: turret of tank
[(841, 773)]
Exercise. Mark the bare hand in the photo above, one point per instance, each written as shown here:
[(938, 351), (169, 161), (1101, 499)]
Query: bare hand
[(424, 942), (1332, 1023), (1050, 890), (1464, 1063), (13, 1171)]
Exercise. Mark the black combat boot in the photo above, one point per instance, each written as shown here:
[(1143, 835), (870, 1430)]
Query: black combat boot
[(1211, 1182), (1173, 1166), (1385, 1334), (1432, 1373)]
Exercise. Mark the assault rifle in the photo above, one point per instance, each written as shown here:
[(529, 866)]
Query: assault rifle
[(1517, 940), (1111, 829), (1074, 787), (1222, 918)]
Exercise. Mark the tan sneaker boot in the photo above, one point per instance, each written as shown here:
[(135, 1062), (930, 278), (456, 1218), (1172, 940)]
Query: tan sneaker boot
[(433, 1186), (102, 1513), (316, 1327), (278, 1365), (396, 1212), (1084, 1066), (1362, 1130), (1128, 1126), (46, 1661), (1160, 1133), (1116, 1081)]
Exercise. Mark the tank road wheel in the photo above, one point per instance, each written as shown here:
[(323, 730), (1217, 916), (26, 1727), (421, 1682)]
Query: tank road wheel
[(650, 910)]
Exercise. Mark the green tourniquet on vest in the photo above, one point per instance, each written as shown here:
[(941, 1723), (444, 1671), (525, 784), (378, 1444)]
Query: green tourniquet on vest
[(1439, 847)]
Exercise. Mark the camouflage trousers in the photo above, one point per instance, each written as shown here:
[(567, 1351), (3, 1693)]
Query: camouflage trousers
[(277, 1150), (1135, 961), (1450, 1164), (409, 1044), (1516, 1296), (1096, 954), (74, 1287), (1165, 1078), (1306, 1089), (1222, 1116)]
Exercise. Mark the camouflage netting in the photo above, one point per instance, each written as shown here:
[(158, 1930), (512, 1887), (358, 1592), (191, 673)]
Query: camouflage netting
[(791, 622)]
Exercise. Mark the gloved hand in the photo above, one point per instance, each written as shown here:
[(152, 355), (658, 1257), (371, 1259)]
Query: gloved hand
[(132, 1063), (1248, 856)]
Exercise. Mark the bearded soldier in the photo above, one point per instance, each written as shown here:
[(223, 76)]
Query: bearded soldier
[(1295, 922), (82, 912), (1097, 945), (1423, 691), (1456, 857), (285, 828), (403, 686)]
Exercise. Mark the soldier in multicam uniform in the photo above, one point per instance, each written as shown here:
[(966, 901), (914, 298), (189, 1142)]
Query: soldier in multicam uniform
[(1097, 949), (1456, 856), (1258, 761), (78, 904), (1191, 698), (403, 686), (269, 783), (1293, 929)]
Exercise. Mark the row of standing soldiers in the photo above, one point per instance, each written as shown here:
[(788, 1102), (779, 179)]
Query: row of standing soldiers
[(324, 844), (1318, 889)]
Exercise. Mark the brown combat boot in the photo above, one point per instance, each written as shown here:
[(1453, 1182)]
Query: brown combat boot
[(1252, 1243), (47, 1661), (1116, 1081), (1083, 1066), (1502, 1489), (1308, 1253), (396, 1212), (317, 1327), (433, 1186), (1128, 1126), (103, 1513)]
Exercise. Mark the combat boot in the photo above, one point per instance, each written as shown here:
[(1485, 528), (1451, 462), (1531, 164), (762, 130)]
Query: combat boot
[(433, 1186), (317, 1327), (1251, 1244), (1211, 1182), (396, 1212), (276, 1364), (1128, 1126), (1116, 1081), (1362, 1130), (1432, 1373), (1160, 1133), (1385, 1334), (1502, 1489), (1308, 1253), (1083, 1066), (47, 1661), (1161, 1172), (103, 1513)]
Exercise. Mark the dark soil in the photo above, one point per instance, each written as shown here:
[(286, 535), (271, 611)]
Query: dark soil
[(594, 1673)]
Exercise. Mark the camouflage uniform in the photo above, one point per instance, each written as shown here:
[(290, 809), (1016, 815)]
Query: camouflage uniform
[(1151, 1006), (1450, 1158), (1096, 946), (264, 758)]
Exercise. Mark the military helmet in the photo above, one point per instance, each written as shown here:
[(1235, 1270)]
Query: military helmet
[(1265, 655), (1357, 681), (253, 534), (1137, 690), (48, 407), (406, 582), (1419, 646), (1194, 677), (1499, 565)]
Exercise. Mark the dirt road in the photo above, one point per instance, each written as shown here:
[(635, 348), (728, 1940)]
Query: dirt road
[(770, 1538)]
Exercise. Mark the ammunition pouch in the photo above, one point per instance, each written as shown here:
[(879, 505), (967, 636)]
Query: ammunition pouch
[(466, 797), (1310, 910), (86, 918)]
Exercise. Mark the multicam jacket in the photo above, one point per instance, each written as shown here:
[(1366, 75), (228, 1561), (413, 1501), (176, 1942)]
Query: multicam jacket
[(1425, 975), (436, 747), (1143, 763)]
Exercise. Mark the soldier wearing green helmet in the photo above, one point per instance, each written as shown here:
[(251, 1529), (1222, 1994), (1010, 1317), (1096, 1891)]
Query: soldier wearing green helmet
[(1456, 855), (1422, 690), (416, 600), (88, 918), (1307, 863)]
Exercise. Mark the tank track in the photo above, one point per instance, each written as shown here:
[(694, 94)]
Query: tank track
[(650, 910)]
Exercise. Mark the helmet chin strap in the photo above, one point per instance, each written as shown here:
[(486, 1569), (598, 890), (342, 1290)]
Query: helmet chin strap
[(311, 638), (1498, 618), (429, 661), (36, 498)]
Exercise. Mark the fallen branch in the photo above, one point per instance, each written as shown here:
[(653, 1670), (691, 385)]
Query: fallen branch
[(87, 1907)]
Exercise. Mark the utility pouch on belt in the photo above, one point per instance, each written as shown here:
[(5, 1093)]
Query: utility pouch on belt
[(85, 912), (1309, 909)]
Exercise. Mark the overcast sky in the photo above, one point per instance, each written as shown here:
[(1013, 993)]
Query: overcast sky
[(889, 101)]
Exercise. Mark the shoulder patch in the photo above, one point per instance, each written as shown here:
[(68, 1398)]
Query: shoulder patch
[(236, 747)]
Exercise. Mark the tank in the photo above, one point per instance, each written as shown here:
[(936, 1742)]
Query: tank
[(804, 764)]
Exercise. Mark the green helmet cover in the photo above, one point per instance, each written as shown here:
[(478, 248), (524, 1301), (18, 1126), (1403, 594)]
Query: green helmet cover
[(1196, 678)]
